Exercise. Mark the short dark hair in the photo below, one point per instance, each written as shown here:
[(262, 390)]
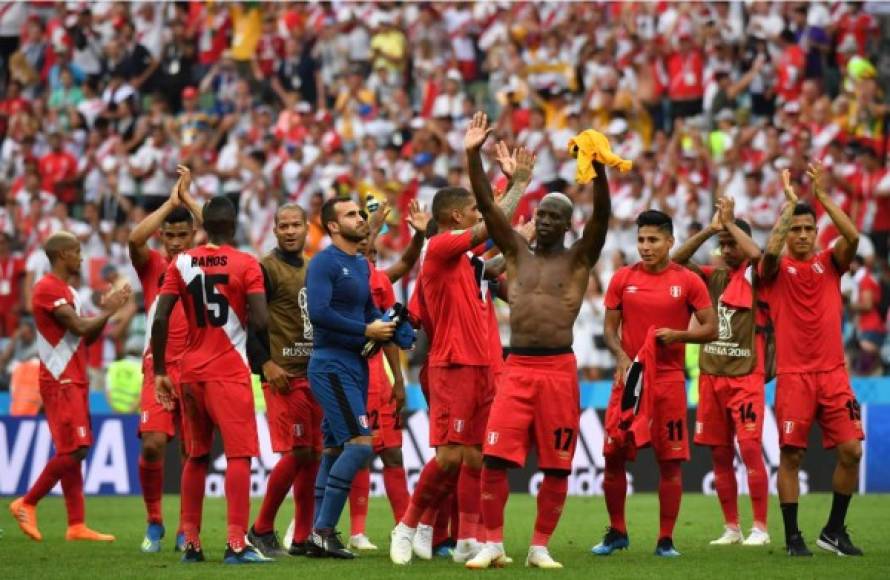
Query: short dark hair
[(658, 219), (290, 207), (219, 216), (447, 199), (803, 208), (179, 215), (743, 225), (329, 211)]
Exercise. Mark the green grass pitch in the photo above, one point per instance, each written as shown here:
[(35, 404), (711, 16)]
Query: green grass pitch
[(581, 526)]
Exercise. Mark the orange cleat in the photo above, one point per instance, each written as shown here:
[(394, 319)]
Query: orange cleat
[(26, 516), (80, 532)]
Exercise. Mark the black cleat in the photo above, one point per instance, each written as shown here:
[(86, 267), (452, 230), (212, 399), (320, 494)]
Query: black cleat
[(796, 546), (837, 542), (268, 543), (192, 554), (299, 549), (327, 544)]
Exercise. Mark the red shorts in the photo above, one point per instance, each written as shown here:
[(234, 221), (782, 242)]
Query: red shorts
[(538, 400), (386, 424), (727, 407), (294, 417), (460, 400), (226, 405), (67, 410), (154, 418), (826, 397), (668, 432)]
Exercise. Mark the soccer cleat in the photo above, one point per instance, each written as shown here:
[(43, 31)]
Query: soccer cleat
[(81, 533), (730, 536), (490, 556), (151, 543), (362, 543), (26, 516), (665, 548), (179, 546), (401, 544), (838, 542), (465, 550), (613, 540), (757, 537), (191, 553), (298, 548), (289, 534), (268, 543), (248, 554), (539, 557), (423, 542), (795, 546), (327, 544)]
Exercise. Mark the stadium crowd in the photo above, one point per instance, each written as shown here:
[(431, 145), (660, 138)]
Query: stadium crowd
[(269, 103)]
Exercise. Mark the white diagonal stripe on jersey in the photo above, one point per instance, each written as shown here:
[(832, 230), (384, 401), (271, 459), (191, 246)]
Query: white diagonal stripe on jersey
[(56, 358), (149, 320)]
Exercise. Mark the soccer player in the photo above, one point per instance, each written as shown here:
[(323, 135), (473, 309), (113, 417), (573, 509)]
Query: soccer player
[(343, 318), (459, 308), (812, 384), (220, 288), (283, 354), (386, 422), (63, 335), (730, 387), (538, 396), (175, 219), (655, 294)]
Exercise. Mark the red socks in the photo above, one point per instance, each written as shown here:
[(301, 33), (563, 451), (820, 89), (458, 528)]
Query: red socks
[(72, 487), (495, 490), (670, 492), (615, 492), (551, 499), (54, 470), (151, 478), (194, 474), (358, 501), (443, 518), (396, 485), (758, 481), (725, 483), (469, 489), (434, 484), (304, 499), (280, 481), (237, 499)]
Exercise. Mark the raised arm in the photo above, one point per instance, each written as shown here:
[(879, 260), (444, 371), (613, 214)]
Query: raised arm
[(418, 220), (144, 230), (845, 247), (769, 264), (185, 195), (687, 249), (594, 235), (726, 211)]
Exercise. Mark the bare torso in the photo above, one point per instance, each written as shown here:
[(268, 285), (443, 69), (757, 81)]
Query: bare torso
[(545, 291)]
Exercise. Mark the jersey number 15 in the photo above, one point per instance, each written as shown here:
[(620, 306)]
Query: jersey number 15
[(209, 303)]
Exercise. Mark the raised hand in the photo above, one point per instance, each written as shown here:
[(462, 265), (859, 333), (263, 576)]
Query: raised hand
[(505, 160), (526, 229), (185, 180), (377, 218), (525, 163), (115, 298), (790, 195), (726, 210), (716, 221), (477, 132), (816, 173), (417, 218)]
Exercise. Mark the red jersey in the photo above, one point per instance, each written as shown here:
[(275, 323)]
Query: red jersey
[(664, 300), (382, 292), (806, 308), (55, 167), (790, 71), (63, 355), (11, 271), (686, 76), (213, 283), (151, 276), (870, 321), (457, 301)]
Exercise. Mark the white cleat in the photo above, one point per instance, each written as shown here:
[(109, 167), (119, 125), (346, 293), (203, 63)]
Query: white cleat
[(465, 550), (730, 536), (361, 542), (289, 534), (539, 557), (490, 556), (757, 537), (400, 546), (423, 542)]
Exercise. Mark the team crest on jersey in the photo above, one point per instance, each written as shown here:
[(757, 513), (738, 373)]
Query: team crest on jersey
[(363, 421), (699, 427), (298, 429), (345, 271), (81, 432), (791, 270), (676, 291), (817, 268), (458, 425), (631, 289), (492, 437), (787, 427), (145, 416)]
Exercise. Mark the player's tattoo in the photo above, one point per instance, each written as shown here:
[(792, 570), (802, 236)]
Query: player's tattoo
[(776, 242)]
